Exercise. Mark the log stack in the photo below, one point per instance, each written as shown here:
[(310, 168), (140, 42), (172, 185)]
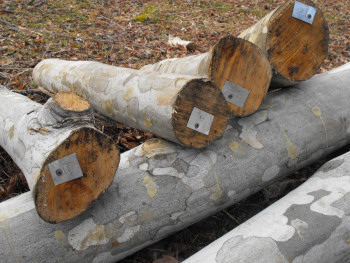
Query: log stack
[(162, 187), (66, 161), (239, 68), (183, 109), (295, 37)]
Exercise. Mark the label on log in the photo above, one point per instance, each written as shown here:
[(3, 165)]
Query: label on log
[(304, 12), (235, 94), (65, 169), (200, 121)]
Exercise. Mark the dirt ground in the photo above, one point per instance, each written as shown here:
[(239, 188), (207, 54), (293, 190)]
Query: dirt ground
[(133, 33)]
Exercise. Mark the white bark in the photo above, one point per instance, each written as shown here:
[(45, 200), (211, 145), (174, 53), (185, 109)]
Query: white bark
[(239, 68), (138, 99), (311, 224), (194, 65), (29, 131), (35, 135), (161, 187), (176, 41)]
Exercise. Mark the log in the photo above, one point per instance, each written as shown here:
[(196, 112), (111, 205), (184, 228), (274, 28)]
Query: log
[(296, 48), (162, 187), (310, 224), (176, 41), (183, 109), (67, 162), (240, 69)]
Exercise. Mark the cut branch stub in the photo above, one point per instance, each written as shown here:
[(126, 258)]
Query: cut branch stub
[(239, 68), (183, 109), (296, 48)]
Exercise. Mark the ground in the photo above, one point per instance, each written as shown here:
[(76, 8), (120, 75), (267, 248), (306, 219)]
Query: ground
[(134, 33)]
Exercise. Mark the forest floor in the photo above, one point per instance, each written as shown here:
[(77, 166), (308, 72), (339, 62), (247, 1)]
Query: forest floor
[(131, 34)]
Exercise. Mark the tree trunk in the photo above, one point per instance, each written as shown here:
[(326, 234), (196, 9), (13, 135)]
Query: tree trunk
[(162, 187), (296, 48), (310, 224), (182, 109), (67, 163), (240, 69)]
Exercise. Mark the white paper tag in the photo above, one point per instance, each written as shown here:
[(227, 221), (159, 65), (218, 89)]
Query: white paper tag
[(200, 121), (235, 94), (304, 12)]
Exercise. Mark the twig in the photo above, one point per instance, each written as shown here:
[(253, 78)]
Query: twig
[(4, 75), (43, 90), (230, 216), (4, 68), (194, 239), (28, 91)]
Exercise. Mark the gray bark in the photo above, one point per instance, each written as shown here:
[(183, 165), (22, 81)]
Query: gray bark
[(36, 136), (144, 100), (29, 131), (161, 187), (311, 224)]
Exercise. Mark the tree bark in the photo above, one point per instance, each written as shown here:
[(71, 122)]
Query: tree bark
[(35, 136), (295, 48), (158, 103), (310, 224), (162, 187), (230, 63), (176, 41)]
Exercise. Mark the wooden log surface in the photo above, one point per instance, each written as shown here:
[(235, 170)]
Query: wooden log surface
[(162, 187), (295, 48), (311, 224), (35, 136), (158, 103), (232, 61)]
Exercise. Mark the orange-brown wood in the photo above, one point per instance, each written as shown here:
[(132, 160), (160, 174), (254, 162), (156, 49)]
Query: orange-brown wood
[(206, 97), (98, 158), (244, 64), (297, 49), (71, 102)]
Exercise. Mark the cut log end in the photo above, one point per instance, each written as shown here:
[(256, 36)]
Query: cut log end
[(98, 159), (237, 62), (296, 49), (204, 103), (71, 101)]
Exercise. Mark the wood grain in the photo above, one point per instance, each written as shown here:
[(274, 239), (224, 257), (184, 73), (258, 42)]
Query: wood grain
[(295, 48), (98, 158), (245, 65), (206, 97)]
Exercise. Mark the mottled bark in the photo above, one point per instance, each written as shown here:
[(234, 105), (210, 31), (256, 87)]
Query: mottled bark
[(35, 136), (161, 187), (311, 224), (158, 103), (295, 48), (239, 68)]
